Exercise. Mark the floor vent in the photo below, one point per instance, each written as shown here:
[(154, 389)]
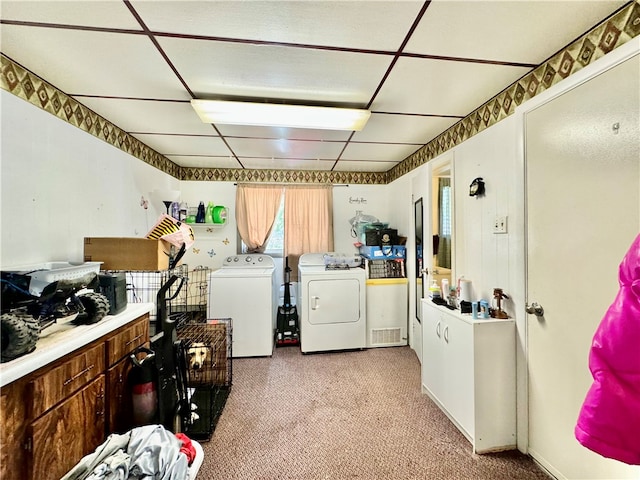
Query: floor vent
[(386, 336)]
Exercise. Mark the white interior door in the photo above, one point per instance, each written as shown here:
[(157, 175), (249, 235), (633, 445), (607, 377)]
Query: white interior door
[(583, 212)]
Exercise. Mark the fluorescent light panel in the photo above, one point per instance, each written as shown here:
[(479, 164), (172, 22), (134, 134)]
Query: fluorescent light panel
[(280, 115)]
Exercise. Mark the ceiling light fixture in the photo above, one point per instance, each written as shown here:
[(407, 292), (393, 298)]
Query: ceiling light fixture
[(280, 115)]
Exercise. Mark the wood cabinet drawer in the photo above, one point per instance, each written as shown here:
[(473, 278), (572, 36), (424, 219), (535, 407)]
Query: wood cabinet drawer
[(130, 338), (58, 383)]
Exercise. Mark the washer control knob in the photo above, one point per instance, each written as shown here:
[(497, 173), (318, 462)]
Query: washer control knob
[(235, 259), (248, 259), (229, 259), (259, 259)]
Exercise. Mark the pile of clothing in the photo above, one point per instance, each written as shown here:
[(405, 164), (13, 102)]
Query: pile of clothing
[(149, 451)]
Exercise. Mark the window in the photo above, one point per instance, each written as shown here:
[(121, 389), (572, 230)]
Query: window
[(275, 244)]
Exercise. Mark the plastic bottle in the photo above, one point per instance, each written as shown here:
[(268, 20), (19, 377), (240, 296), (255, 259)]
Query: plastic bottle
[(175, 210), (183, 211), (200, 214), (445, 288), (208, 216), (434, 290), (484, 309)]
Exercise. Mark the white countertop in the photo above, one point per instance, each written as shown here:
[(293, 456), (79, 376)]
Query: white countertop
[(466, 317), (62, 338)]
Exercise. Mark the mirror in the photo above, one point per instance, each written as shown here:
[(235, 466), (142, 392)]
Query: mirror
[(418, 210), (442, 225)]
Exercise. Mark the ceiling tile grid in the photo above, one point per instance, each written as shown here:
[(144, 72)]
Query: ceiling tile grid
[(609, 34), (125, 72)]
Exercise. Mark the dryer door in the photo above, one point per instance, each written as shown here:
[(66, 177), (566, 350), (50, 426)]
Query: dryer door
[(335, 300)]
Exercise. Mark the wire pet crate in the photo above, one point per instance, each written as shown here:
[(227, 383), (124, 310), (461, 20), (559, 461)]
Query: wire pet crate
[(191, 297), (207, 373)]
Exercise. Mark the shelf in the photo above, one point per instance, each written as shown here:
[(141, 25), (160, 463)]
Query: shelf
[(212, 225)]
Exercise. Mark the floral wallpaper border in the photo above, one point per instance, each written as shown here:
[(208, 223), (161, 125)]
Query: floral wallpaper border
[(608, 35)]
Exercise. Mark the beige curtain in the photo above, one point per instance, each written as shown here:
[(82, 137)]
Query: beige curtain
[(308, 222), (256, 209)]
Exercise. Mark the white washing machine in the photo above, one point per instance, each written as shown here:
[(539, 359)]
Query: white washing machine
[(244, 290), (331, 302)]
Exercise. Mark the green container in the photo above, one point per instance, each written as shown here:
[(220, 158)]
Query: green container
[(219, 214)]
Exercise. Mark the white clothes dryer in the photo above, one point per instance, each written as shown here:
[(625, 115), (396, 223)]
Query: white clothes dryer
[(331, 302), (244, 290)]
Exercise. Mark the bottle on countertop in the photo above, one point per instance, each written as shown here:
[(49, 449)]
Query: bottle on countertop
[(434, 290), (445, 288)]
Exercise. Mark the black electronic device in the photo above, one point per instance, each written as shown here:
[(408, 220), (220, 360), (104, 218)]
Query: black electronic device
[(114, 287)]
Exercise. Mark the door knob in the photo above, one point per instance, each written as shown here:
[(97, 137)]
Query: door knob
[(535, 309)]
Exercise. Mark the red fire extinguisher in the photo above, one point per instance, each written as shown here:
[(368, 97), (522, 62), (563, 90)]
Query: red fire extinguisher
[(143, 380)]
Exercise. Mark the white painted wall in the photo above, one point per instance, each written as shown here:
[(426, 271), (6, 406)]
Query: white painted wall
[(60, 184), (211, 247), (371, 199)]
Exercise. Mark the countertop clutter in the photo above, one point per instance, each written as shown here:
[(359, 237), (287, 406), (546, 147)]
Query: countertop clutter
[(60, 339)]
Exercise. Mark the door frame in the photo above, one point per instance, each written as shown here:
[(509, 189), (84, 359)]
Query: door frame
[(607, 62)]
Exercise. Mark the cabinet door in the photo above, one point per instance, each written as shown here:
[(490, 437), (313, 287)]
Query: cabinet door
[(71, 430), (119, 400), (13, 412), (457, 337), (433, 373)]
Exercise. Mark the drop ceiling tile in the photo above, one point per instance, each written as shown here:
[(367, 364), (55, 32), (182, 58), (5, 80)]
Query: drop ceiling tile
[(184, 144), (122, 76), (394, 128), (93, 63), (378, 151), (512, 31), (251, 147), (276, 72), (146, 116), (286, 163), (442, 87), (107, 14), (250, 131), (204, 161), (363, 25), (363, 166)]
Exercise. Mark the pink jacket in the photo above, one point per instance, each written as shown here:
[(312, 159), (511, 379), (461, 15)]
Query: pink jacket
[(609, 421)]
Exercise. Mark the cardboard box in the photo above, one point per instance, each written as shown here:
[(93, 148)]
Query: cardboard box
[(122, 253)]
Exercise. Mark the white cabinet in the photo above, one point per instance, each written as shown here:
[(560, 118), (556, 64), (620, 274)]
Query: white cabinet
[(469, 370)]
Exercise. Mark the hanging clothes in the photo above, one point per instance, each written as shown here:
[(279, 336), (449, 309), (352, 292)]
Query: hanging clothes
[(609, 420)]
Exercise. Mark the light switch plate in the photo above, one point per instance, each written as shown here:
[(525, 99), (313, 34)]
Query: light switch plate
[(500, 224)]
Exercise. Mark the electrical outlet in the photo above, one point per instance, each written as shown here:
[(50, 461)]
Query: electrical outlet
[(500, 224)]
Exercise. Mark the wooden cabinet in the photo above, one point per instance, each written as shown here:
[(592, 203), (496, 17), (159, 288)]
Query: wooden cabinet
[(56, 414), (119, 347), (468, 369), (66, 433)]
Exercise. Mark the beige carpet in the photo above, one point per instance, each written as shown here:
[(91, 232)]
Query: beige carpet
[(339, 416)]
